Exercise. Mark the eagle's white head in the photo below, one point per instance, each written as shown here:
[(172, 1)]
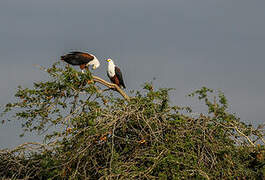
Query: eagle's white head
[(110, 60), (95, 63)]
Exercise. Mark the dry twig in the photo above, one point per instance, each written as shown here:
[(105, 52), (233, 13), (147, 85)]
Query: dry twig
[(112, 86)]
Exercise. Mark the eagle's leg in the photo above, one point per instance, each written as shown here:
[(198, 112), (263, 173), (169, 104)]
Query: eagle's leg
[(82, 67)]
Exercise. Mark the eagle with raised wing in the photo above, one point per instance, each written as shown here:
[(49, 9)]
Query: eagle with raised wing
[(81, 59)]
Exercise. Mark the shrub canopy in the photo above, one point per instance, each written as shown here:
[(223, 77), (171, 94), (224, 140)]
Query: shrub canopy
[(95, 134)]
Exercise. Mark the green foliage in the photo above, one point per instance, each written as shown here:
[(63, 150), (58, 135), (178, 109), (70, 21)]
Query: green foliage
[(97, 135)]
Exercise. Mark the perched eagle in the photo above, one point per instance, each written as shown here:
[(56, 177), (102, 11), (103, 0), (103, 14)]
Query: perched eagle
[(114, 73), (81, 59)]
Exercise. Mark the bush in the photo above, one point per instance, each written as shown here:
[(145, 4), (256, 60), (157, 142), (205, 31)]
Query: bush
[(92, 133)]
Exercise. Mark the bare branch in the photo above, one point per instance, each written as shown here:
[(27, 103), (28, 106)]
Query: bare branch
[(112, 86), (242, 134)]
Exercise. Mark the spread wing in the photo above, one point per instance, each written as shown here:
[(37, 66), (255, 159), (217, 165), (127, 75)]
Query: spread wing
[(77, 58), (119, 75)]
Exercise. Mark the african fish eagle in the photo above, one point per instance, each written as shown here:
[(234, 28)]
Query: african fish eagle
[(114, 73), (81, 59)]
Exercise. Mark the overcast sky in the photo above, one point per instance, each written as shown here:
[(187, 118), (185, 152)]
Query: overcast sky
[(184, 44)]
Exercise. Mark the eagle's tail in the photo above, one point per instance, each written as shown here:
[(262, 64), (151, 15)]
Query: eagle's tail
[(123, 86)]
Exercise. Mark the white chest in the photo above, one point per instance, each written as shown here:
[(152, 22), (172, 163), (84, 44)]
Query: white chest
[(111, 69)]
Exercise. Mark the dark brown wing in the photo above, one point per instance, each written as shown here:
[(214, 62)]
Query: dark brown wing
[(119, 75), (77, 58), (115, 80)]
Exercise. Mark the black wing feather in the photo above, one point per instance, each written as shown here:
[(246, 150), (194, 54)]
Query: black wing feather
[(119, 75), (77, 58)]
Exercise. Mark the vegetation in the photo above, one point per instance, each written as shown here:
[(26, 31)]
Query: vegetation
[(91, 133)]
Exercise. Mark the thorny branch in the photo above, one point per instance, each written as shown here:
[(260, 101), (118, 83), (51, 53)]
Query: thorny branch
[(112, 86), (245, 136)]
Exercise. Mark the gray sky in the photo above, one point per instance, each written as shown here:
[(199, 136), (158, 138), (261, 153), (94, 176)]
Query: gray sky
[(185, 44)]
